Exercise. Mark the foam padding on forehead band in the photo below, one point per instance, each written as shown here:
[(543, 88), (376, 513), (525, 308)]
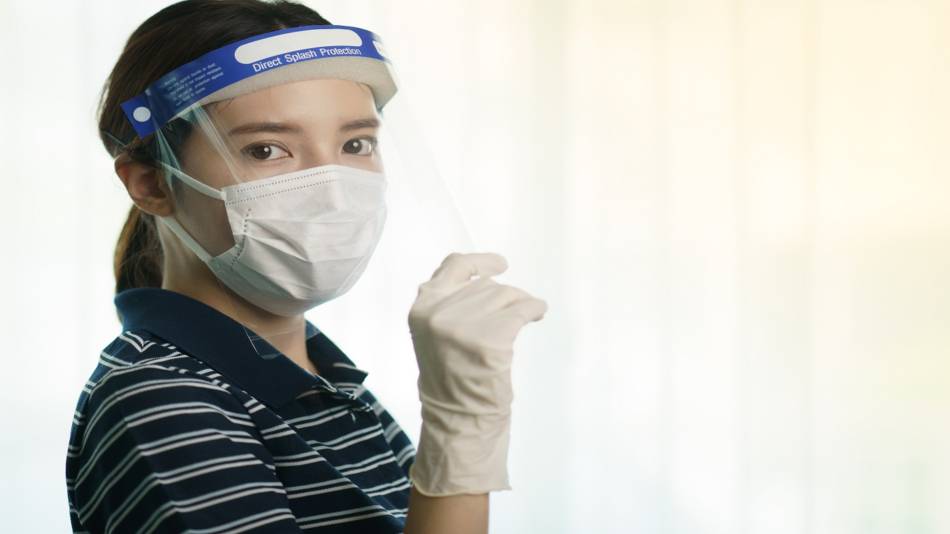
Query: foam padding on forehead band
[(371, 72)]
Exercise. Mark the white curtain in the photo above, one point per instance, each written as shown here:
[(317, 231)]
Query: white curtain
[(736, 210)]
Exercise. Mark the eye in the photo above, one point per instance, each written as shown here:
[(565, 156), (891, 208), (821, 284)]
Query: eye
[(361, 146), (265, 151)]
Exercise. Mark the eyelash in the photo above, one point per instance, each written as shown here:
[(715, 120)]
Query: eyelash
[(373, 142), (248, 149)]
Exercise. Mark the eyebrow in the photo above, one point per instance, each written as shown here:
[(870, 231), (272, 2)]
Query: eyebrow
[(359, 124), (272, 127), (283, 127)]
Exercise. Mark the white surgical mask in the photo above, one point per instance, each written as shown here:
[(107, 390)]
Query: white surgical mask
[(300, 239)]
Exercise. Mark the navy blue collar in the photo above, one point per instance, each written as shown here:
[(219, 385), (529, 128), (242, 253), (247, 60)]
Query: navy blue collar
[(221, 342)]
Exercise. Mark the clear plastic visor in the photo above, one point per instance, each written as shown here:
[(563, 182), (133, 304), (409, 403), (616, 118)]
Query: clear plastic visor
[(299, 177)]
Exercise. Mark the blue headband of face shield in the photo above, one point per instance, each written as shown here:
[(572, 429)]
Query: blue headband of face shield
[(274, 58)]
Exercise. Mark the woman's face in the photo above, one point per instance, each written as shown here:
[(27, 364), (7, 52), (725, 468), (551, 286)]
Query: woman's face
[(269, 132)]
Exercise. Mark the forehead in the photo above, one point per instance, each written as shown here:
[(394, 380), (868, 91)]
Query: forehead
[(330, 101)]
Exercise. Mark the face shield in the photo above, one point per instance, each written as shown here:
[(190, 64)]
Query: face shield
[(287, 155)]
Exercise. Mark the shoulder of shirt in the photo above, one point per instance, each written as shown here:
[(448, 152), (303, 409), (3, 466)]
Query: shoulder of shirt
[(136, 357), (140, 377)]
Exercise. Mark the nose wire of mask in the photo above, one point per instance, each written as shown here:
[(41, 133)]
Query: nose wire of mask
[(289, 265)]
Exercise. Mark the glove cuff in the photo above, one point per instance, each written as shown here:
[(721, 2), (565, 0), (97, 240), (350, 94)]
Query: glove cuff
[(461, 454)]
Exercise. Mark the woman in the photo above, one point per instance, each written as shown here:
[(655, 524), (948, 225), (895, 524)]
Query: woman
[(220, 408)]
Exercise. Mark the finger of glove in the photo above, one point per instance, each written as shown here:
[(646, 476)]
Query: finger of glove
[(458, 268), (432, 299), (531, 309), (506, 323), (480, 298), (461, 315), (488, 323)]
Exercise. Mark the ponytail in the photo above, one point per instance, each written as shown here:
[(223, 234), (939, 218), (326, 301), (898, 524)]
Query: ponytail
[(138, 253)]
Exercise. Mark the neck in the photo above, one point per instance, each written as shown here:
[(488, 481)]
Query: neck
[(194, 279)]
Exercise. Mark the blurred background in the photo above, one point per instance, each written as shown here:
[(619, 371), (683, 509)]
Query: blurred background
[(735, 209)]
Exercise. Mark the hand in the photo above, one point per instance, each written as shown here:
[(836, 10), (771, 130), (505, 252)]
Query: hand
[(463, 331)]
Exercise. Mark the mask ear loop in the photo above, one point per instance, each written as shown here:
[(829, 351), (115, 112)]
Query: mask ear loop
[(170, 221), (121, 147), (165, 152), (195, 184)]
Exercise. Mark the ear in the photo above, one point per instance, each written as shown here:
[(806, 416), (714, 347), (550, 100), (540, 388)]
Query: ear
[(146, 186)]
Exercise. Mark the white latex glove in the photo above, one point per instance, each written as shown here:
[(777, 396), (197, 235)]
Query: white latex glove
[(463, 331)]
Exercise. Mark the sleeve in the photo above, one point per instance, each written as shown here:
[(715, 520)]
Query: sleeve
[(164, 451)]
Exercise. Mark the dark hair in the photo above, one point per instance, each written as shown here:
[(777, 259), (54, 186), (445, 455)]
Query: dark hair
[(172, 37)]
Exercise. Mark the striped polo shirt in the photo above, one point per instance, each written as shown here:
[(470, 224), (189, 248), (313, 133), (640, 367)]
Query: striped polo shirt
[(191, 423)]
